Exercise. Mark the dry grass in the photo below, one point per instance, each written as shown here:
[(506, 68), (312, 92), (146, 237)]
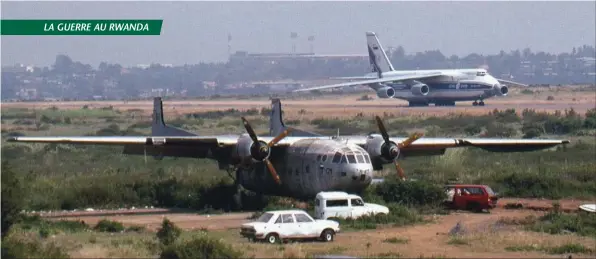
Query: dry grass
[(346, 106)]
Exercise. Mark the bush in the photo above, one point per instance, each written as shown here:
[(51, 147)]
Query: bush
[(583, 224), (168, 233), (201, 246), (12, 198), (16, 247), (105, 225), (398, 216), (411, 193)]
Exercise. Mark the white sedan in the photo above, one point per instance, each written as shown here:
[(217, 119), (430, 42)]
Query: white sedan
[(279, 225)]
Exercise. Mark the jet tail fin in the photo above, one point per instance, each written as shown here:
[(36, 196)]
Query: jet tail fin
[(378, 58), (277, 126), (158, 125)]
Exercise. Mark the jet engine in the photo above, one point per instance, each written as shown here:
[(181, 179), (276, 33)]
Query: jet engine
[(380, 152), (251, 152), (386, 92), (501, 90), (420, 89)]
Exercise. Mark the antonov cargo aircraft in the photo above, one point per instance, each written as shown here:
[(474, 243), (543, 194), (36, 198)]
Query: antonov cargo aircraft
[(442, 87)]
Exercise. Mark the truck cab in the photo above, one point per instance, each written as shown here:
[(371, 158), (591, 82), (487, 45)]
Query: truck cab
[(473, 197), (344, 205)]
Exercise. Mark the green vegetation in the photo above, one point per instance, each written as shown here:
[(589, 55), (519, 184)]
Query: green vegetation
[(569, 248), (583, 224), (168, 233), (396, 240), (200, 246), (69, 176)]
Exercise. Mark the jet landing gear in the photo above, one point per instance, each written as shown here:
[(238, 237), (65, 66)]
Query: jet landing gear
[(417, 104), (481, 103)]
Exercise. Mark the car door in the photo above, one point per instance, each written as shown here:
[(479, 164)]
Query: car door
[(288, 226), (306, 225)]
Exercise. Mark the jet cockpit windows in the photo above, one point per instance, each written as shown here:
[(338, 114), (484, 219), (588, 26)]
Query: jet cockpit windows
[(480, 73), (344, 160)]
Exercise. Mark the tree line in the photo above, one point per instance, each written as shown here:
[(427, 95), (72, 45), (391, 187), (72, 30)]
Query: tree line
[(68, 79)]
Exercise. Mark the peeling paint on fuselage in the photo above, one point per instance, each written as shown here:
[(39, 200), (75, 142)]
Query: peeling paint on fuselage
[(310, 166)]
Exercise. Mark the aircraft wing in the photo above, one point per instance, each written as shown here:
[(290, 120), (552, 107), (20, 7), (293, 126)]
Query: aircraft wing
[(511, 82), (437, 146), (354, 78), (374, 81), (194, 141)]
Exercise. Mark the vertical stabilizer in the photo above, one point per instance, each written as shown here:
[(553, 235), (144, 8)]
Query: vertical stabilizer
[(158, 125), (276, 123), (377, 56)]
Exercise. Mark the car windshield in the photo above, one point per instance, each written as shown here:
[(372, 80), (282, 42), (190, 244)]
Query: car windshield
[(489, 191), (265, 217)]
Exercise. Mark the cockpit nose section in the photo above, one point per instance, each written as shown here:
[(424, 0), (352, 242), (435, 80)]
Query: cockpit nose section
[(355, 164)]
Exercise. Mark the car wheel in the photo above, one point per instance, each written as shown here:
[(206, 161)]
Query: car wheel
[(328, 235), (272, 238)]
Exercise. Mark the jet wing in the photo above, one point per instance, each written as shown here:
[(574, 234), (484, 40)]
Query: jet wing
[(354, 78), (374, 81), (511, 82)]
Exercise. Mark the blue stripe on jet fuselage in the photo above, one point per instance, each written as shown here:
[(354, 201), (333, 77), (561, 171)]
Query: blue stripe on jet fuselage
[(445, 86)]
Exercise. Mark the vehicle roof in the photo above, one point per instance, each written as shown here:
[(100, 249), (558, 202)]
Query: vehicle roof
[(458, 184), (285, 211), (336, 195)]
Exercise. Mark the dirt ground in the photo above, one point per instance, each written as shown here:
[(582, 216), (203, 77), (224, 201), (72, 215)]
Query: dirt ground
[(348, 106), (483, 237)]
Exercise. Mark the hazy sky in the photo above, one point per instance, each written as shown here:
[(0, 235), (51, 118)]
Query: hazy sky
[(197, 31)]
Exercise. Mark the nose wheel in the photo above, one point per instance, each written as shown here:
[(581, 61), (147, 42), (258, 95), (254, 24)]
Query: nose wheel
[(475, 103)]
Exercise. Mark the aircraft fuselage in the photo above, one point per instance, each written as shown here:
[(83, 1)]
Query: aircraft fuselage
[(455, 85), (310, 166)]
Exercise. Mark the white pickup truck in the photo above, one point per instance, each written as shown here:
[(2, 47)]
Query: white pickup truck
[(344, 205), (279, 225)]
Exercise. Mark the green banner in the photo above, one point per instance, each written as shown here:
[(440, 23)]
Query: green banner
[(81, 27)]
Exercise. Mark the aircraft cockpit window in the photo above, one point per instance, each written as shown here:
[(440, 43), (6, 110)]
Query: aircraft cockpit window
[(351, 159), (344, 160), (480, 73), (367, 159), (319, 158), (336, 158), (360, 159), (324, 158)]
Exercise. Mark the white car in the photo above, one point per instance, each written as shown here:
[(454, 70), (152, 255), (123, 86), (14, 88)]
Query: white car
[(344, 205), (279, 225)]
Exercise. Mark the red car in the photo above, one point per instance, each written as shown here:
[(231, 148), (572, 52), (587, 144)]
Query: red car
[(472, 197)]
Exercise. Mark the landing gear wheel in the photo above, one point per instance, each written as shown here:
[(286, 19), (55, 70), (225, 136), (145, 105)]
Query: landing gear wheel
[(272, 239), (481, 103), (328, 235), (475, 103)]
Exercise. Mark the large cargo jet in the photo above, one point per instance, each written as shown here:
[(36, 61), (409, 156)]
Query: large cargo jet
[(441, 87)]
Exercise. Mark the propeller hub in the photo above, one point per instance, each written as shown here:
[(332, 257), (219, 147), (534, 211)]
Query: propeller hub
[(390, 151), (260, 151)]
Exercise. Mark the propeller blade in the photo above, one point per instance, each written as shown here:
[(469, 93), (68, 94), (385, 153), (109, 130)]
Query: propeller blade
[(272, 171), (410, 139), (400, 171), (382, 128), (279, 137), (249, 129)]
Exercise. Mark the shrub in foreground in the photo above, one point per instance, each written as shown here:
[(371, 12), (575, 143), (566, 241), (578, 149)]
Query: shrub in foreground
[(200, 246), (168, 233)]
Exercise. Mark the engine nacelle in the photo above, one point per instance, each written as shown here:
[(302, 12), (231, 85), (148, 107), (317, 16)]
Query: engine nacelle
[(379, 151), (501, 90), (386, 92), (248, 151), (420, 89)]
